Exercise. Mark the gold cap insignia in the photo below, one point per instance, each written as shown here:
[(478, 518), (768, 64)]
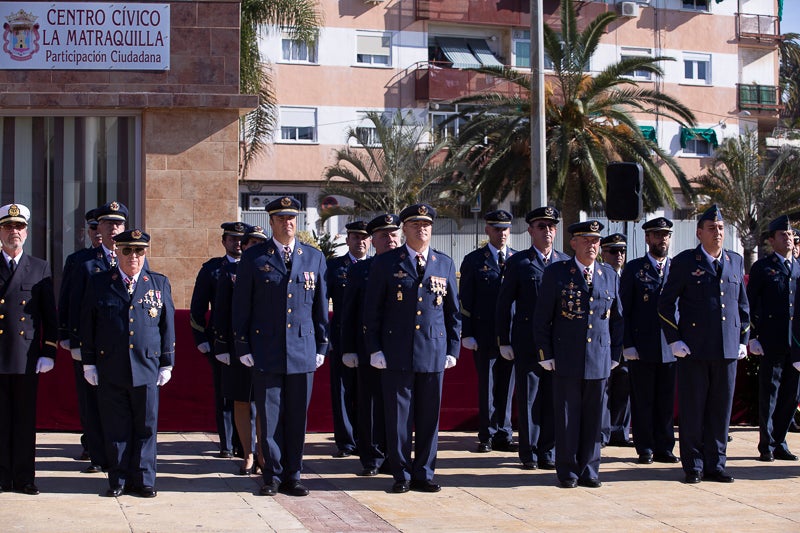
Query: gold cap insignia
[(617, 238), (239, 226), (594, 226), (136, 234), (662, 223), (13, 211), (257, 229), (114, 206), (422, 210), (548, 211), (286, 201), (388, 219)]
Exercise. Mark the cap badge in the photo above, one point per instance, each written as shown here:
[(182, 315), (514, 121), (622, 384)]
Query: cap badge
[(114, 206), (617, 238), (422, 210), (388, 219), (548, 211), (662, 223), (257, 229), (136, 234), (13, 211), (594, 226), (286, 201), (239, 226)]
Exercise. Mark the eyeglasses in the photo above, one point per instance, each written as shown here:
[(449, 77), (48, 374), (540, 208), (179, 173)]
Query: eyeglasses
[(19, 226), (138, 251), (617, 251)]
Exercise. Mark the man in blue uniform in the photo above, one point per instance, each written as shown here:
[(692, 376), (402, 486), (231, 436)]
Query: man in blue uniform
[(516, 302), (128, 351), (28, 335), (280, 327), (771, 292), (205, 290), (706, 321), (384, 231), (412, 330), (343, 378), (578, 331), (649, 359), (481, 273), (617, 416)]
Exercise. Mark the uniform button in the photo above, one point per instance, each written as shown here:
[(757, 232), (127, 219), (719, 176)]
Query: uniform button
[(2, 300), (590, 326), (22, 319), (419, 312), (288, 325), (723, 318), (591, 299), (1, 331), (419, 299), (2, 317), (591, 312), (102, 352), (24, 302), (289, 310), (130, 333), (420, 285), (289, 295), (257, 332), (131, 308), (22, 333), (130, 346), (723, 306), (130, 320), (722, 293), (589, 339), (415, 327), (693, 324)]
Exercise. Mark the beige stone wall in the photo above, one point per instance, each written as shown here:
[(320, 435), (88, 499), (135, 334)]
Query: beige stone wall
[(189, 188)]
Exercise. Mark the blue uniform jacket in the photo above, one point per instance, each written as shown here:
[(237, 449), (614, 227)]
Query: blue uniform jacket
[(72, 261), (352, 330), (79, 280), (414, 322), (519, 292), (223, 331), (581, 330), (771, 292), (128, 337), (203, 296), (714, 314), (477, 291), (640, 289), (336, 279), (281, 318)]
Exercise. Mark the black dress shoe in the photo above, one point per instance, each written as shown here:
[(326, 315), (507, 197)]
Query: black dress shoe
[(568, 483), (505, 446), (225, 454), (784, 455), (645, 459), (424, 485), (692, 478), (484, 447), (730, 438), (369, 472), (400, 487), (529, 465), (244, 471), (547, 465), (92, 469), (30, 489), (621, 443), (148, 491), (666, 457), (590, 483), (269, 489), (343, 453), (719, 476), (766, 457), (293, 488), (114, 492), (84, 456)]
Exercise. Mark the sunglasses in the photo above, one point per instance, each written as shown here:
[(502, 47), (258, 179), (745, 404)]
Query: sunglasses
[(617, 251), (138, 251), (19, 226)]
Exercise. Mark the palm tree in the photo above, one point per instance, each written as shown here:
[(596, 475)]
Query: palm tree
[(751, 188), (790, 86), (389, 166), (301, 19), (589, 123)]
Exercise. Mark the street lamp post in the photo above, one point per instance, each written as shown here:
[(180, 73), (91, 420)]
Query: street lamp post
[(538, 150)]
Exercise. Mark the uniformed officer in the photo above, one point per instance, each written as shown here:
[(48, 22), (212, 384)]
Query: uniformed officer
[(205, 289), (578, 332), (28, 336), (796, 248), (385, 233), (412, 331), (128, 351), (111, 218), (515, 307), (617, 416), (771, 292), (481, 273), (73, 259), (343, 378), (280, 323), (237, 382), (706, 320), (649, 358)]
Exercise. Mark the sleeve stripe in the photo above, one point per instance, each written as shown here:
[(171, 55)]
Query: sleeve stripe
[(668, 321)]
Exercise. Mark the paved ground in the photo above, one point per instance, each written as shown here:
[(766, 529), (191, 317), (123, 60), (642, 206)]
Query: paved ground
[(482, 492)]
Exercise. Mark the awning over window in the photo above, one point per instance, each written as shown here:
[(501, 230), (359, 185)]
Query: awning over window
[(707, 134), (649, 133), (484, 54), (457, 52)]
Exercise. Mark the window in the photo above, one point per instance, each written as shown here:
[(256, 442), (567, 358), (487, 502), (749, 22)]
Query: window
[(368, 136), (696, 5), (697, 68), (633, 53), (549, 65), (374, 49), (295, 51), (521, 44), (445, 123), (698, 141), (298, 124)]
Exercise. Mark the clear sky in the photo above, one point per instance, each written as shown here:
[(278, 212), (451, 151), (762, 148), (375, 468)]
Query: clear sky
[(791, 17)]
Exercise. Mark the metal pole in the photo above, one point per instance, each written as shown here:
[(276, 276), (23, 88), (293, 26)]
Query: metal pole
[(538, 155)]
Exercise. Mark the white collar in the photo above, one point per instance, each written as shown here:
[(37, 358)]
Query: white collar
[(584, 267), (231, 259), (125, 277), (8, 258), (280, 246), (414, 252)]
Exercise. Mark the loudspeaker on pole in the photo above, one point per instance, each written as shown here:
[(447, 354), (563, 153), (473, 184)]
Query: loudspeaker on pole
[(624, 191)]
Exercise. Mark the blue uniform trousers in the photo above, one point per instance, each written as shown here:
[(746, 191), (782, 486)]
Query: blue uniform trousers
[(534, 409), (777, 402), (343, 403), (652, 406), (80, 391), (18, 438), (223, 408), (495, 393), (579, 414), (617, 416), (371, 418)]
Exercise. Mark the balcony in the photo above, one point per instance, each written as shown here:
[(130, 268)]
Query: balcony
[(498, 12), (758, 29), (752, 97), (436, 83)]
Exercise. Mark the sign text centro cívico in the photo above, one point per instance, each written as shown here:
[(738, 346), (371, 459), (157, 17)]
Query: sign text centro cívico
[(84, 36)]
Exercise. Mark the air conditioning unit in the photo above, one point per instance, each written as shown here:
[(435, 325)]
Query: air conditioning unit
[(374, 2), (629, 9)]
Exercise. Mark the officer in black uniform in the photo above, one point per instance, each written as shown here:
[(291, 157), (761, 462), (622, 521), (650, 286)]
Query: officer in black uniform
[(705, 317), (771, 291), (343, 378), (28, 336), (205, 289), (481, 273)]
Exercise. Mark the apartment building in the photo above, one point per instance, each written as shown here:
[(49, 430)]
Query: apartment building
[(414, 55)]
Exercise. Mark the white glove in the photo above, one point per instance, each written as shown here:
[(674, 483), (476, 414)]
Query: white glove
[(450, 362), (755, 347), (742, 351), (630, 354), (378, 360), (320, 360), (44, 365), (679, 349), (507, 352), (76, 353), (614, 364), (90, 375), (469, 343), (548, 364), (64, 344), (247, 360), (796, 366), (164, 375), (204, 347), (224, 358), (350, 360)]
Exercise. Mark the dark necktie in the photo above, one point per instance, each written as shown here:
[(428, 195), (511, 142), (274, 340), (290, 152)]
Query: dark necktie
[(718, 268), (287, 257), (788, 265), (587, 275), (12, 265), (420, 266), (546, 260), (501, 260)]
